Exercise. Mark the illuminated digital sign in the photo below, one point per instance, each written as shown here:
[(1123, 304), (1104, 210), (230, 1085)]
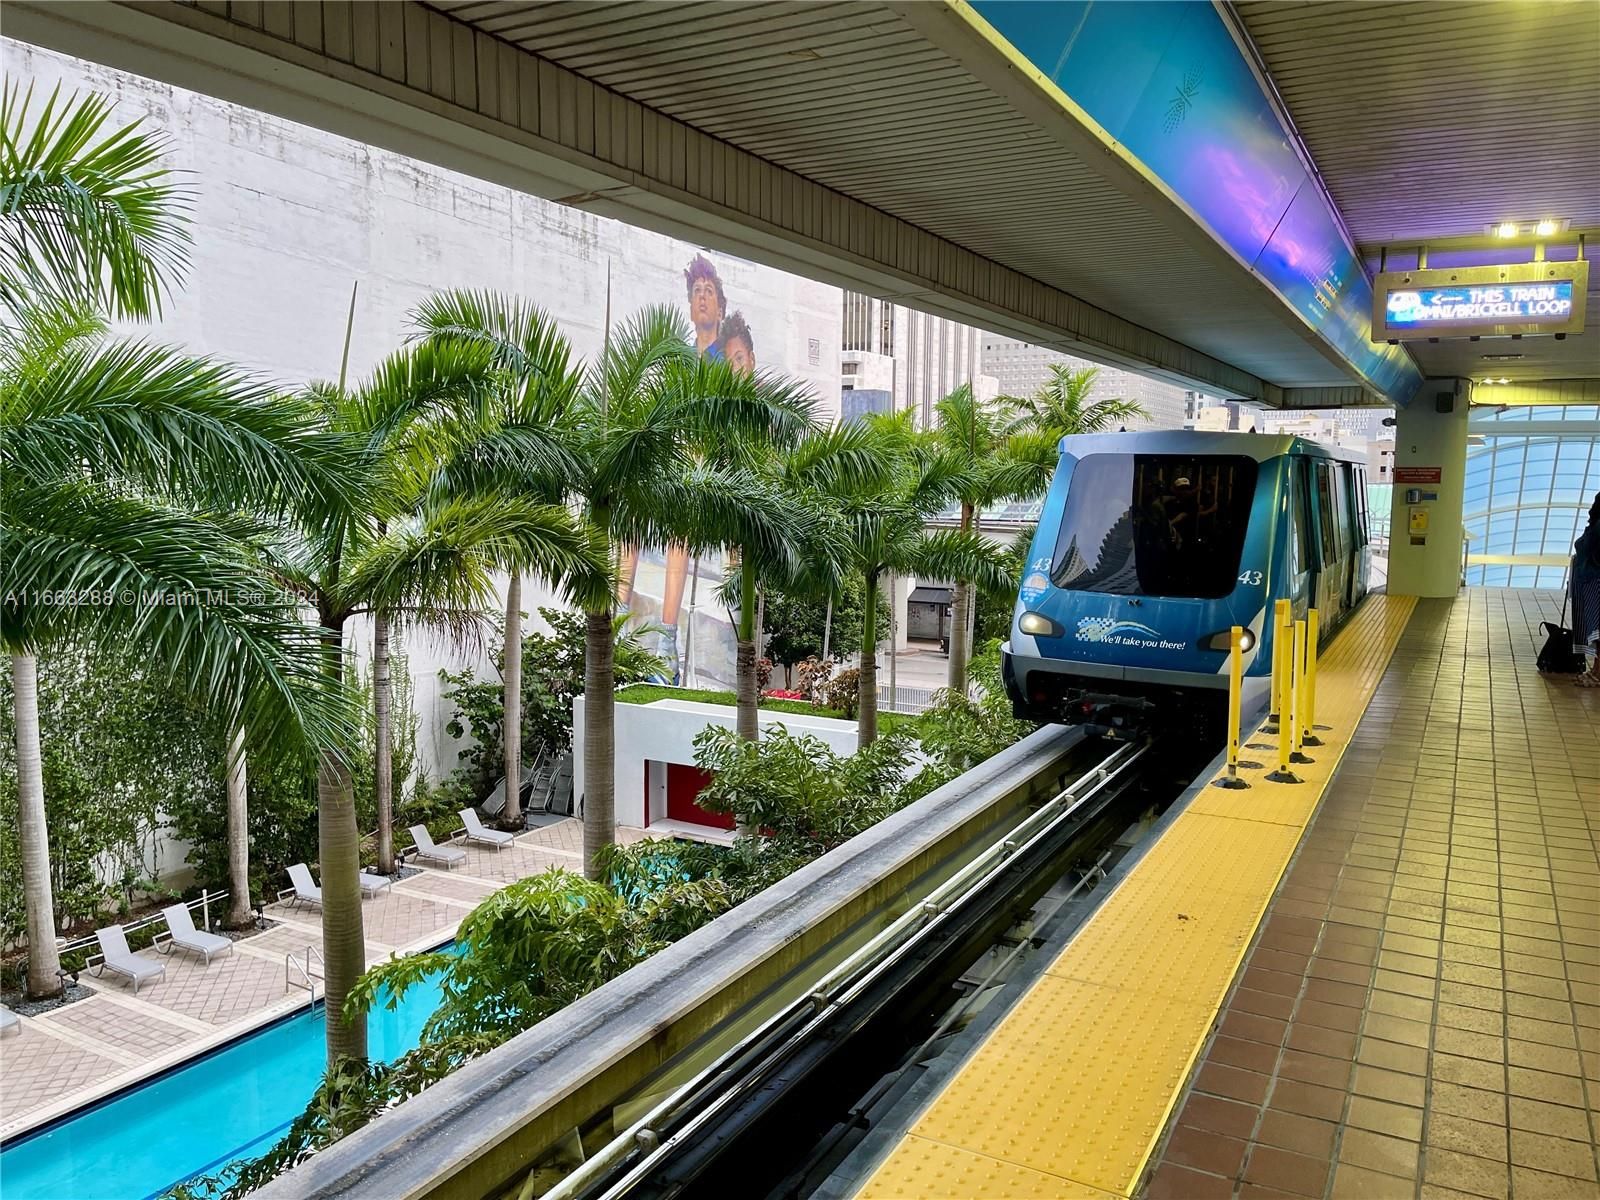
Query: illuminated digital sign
[(1440, 308), (1524, 298)]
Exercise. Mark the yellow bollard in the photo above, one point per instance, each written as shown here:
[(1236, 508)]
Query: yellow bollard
[(1288, 744), (1288, 736), (1297, 705), (1280, 660), (1308, 723), (1235, 688)]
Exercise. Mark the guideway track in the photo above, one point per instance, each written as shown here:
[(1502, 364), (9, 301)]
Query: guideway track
[(741, 1125)]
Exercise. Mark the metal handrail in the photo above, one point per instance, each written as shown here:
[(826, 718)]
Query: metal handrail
[(291, 963), (203, 904)]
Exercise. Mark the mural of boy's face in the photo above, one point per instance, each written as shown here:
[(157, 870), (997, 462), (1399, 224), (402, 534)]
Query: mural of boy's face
[(740, 357), (704, 309)]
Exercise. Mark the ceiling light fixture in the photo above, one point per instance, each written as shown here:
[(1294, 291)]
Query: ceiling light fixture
[(1503, 379), (1545, 228), (1501, 357), (1506, 229)]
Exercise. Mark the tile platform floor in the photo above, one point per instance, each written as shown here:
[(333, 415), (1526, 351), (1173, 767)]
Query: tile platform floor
[(1419, 1018), (67, 1056)]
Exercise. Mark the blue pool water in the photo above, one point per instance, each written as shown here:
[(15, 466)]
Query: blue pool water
[(230, 1104)]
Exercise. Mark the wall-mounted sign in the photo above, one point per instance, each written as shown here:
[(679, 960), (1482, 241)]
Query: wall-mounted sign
[(1417, 475), (1456, 302)]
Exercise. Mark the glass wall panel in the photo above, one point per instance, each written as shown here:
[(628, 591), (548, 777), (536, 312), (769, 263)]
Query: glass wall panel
[(1529, 495)]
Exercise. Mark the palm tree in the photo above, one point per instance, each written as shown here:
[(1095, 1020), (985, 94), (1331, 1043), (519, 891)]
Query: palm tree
[(998, 458), (618, 439), (815, 554), (1062, 406), (519, 444), (644, 408), (121, 463), (888, 534), (402, 546)]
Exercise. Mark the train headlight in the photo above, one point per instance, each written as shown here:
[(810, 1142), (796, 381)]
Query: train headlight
[(1038, 624), (1224, 641)]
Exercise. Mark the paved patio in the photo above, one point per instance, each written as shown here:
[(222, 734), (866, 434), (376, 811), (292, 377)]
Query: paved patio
[(79, 1052)]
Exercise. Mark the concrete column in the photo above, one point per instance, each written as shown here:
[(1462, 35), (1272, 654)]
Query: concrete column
[(1425, 537)]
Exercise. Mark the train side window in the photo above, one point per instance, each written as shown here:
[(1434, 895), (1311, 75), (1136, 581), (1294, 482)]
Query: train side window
[(1330, 547)]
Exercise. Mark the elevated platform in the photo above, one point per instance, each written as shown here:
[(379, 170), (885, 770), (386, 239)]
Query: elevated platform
[(1413, 1008)]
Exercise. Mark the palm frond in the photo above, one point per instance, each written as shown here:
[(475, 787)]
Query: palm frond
[(1103, 414), (169, 422), (645, 342), (187, 588), (523, 338), (717, 405), (951, 554), (844, 458), (86, 212), (440, 568), (418, 382)]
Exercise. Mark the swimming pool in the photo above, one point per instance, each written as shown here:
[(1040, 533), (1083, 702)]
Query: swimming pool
[(231, 1103)]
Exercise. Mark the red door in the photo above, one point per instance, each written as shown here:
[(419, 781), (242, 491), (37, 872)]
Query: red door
[(684, 783)]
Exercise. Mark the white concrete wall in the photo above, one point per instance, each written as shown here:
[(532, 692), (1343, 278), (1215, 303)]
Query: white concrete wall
[(287, 219), (664, 731)]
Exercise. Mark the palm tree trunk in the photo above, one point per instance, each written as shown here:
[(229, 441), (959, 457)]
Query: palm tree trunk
[(44, 961), (511, 723), (599, 739), (339, 855), (343, 940), (956, 678), (240, 914), (383, 737), (748, 722), (867, 681), (827, 629)]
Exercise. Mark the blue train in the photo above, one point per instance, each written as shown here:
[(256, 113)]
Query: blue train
[(1151, 546)]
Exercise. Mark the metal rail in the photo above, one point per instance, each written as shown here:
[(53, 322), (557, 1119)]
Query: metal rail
[(742, 1068), (202, 905), (308, 977)]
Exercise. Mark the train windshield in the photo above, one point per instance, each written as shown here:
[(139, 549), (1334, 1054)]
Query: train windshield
[(1155, 524)]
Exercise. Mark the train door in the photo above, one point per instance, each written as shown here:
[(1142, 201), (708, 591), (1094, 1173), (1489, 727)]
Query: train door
[(1330, 583), (1363, 556), (1302, 546), (1350, 524), (1344, 533)]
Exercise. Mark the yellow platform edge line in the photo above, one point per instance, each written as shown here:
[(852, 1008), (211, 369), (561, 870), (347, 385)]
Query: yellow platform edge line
[(1384, 634), (1350, 674)]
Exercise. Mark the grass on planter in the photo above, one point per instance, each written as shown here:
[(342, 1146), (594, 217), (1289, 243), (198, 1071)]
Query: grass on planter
[(646, 693)]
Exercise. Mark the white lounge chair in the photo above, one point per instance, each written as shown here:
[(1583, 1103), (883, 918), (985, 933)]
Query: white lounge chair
[(115, 956), (477, 833), (302, 888), (449, 856), (183, 934), (371, 885), (9, 1022)]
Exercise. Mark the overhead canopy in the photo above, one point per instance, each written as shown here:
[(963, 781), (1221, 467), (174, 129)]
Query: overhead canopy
[(1432, 123), (910, 150)]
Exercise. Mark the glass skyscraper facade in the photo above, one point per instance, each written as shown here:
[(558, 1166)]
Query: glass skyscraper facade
[(1532, 472)]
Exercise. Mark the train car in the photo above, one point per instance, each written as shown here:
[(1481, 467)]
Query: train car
[(1151, 546)]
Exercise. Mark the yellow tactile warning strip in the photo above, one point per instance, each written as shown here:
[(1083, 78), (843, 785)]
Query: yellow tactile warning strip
[(1070, 1092)]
